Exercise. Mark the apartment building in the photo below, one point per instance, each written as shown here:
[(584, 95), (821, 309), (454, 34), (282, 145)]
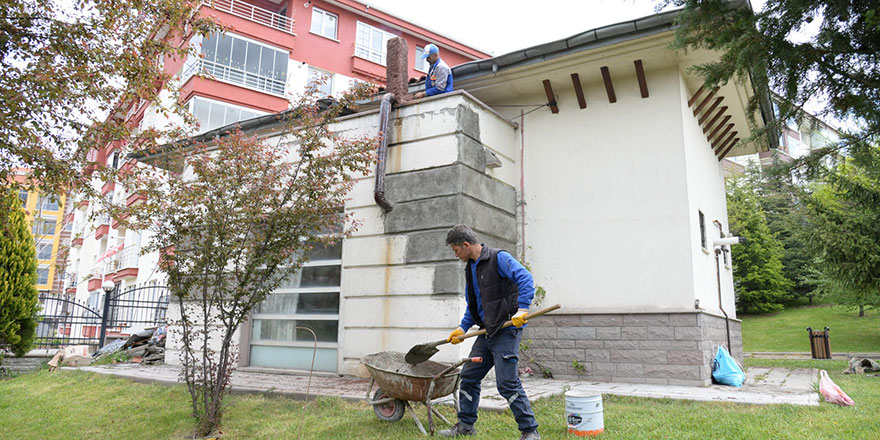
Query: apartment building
[(51, 226), (272, 51), (797, 138)]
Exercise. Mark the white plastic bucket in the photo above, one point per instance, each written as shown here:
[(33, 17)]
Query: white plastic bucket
[(583, 412)]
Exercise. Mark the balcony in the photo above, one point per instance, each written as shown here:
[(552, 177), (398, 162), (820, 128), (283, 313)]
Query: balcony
[(96, 277), (127, 263), (135, 199), (103, 226), (235, 76), (253, 13)]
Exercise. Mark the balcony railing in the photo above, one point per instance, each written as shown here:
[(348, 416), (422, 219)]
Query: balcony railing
[(253, 13), (128, 258), (103, 219), (236, 76)]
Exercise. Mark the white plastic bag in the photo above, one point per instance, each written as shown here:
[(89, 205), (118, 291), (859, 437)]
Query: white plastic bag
[(831, 392)]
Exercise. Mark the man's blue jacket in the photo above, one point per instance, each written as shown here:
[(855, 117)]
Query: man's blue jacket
[(439, 79)]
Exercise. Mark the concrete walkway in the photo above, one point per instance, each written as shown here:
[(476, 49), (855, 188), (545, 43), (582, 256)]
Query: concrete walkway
[(763, 386)]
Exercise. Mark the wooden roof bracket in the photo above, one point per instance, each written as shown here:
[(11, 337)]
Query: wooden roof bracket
[(735, 141), (551, 98), (578, 90), (609, 87), (640, 74)]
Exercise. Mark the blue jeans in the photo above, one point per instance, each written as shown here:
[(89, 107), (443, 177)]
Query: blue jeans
[(502, 352)]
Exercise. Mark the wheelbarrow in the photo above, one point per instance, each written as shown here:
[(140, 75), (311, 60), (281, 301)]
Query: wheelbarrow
[(400, 383)]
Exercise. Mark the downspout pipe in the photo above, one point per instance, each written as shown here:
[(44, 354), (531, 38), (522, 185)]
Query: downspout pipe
[(718, 276), (384, 117)]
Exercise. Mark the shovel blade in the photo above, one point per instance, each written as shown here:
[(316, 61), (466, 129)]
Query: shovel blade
[(420, 353)]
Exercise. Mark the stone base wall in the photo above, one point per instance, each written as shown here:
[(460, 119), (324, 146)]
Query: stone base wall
[(650, 348)]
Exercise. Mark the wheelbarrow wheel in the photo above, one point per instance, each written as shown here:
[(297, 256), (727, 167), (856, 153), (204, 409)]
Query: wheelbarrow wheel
[(391, 411)]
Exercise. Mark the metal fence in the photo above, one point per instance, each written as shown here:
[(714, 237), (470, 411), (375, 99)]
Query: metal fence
[(64, 321)]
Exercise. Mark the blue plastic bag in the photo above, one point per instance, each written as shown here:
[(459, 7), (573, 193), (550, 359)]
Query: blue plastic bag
[(725, 370)]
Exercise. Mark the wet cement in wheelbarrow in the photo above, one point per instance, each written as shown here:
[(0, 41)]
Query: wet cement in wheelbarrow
[(393, 361)]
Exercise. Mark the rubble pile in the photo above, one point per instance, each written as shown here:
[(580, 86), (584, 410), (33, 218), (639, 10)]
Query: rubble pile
[(146, 346)]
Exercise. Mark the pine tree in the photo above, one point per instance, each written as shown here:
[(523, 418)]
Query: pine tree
[(844, 214), (781, 199), (18, 277), (757, 263), (836, 59)]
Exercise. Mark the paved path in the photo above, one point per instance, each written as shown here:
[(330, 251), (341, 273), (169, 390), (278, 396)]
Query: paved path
[(763, 386)]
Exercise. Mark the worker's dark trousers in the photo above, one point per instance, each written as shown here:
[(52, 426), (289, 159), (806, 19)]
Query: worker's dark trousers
[(502, 352)]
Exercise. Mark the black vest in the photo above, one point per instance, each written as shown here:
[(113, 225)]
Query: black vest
[(499, 296)]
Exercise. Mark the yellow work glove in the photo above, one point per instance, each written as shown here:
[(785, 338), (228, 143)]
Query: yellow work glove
[(519, 319), (453, 337)]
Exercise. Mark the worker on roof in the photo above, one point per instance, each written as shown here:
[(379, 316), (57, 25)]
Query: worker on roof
[(439, 79)]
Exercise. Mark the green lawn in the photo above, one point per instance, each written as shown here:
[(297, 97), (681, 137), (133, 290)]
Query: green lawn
[(787, 330), (65, 405)]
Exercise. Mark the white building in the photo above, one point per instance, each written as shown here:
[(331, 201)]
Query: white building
[(613, 193)]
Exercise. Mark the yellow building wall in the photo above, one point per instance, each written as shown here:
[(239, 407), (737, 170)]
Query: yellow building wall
[(34, 210)]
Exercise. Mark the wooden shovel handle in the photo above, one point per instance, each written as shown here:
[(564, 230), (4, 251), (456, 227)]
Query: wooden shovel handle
[(510, 323)]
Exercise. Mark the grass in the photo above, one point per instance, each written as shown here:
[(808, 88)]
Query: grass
[(69, 404), (786, 331)]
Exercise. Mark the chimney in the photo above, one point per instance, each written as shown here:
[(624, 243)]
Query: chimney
[(396, 68)]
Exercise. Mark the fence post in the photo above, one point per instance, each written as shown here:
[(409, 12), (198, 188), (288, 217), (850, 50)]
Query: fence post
[(106, 314)]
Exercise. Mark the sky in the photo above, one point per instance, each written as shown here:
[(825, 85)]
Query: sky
[(501, 26), (498, 27)]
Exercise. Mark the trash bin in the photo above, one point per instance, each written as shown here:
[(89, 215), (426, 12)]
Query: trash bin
[(819, 346)]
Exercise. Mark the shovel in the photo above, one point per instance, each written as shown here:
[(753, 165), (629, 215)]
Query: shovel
[(422, 352)]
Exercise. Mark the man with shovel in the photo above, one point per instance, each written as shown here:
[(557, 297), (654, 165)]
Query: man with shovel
[(498, 288)]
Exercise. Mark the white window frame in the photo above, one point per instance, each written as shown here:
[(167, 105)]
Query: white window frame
[(48, 273), (191, 107), (303, 316), (37, 228), (364, 49), (195, 65), (44, 244), (322, 14), (421, 61), (328, 84)]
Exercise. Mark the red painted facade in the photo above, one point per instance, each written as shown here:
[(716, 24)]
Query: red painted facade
[(262, 22), (336, 56)]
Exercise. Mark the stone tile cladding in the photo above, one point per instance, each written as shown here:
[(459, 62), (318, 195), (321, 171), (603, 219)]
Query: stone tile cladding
[(651, 348)]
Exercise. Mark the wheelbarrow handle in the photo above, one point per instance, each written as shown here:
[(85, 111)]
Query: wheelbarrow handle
[(510, 323)]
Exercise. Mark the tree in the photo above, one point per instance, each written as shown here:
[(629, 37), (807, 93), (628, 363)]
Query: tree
[(781, 200), (757, 263), (844, 214), (18, 278), (72, 72), (235, 219), (838, 63)]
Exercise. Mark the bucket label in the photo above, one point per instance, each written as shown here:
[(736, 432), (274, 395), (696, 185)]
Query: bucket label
[(574, 420)]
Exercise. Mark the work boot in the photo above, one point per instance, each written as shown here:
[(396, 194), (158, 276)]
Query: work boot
[(530, 435), (459, 430)]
